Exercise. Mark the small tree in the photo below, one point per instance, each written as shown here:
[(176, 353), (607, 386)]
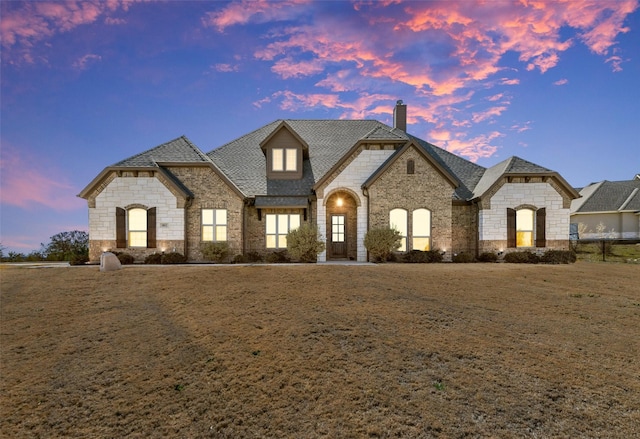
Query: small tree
[(67, 246), (304, 243), (381, 243)]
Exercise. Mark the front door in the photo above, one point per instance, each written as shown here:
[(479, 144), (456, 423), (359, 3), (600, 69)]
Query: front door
[(338, 236)]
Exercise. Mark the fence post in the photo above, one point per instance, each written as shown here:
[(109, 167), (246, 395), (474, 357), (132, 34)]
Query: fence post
[(603, 252)]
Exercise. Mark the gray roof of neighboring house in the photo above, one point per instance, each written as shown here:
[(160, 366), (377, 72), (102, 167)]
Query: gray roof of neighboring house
[(179, 150), (609, 196)]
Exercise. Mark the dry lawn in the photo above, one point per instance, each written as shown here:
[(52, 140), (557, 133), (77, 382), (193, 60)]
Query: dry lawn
[(310, 351)]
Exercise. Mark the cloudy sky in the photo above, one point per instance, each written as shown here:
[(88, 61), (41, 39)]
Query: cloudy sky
[(86, 84)]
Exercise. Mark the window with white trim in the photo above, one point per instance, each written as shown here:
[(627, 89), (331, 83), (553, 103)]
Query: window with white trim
[(524, 227), (137, 227), (398, 221), (421, 230), (214, 225), (277, 227), (284, 159)]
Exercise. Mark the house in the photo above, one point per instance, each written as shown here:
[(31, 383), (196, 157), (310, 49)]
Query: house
[(345, 176), (608, 209)]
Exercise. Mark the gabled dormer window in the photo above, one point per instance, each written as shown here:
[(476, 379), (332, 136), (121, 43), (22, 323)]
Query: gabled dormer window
[(284, 159)]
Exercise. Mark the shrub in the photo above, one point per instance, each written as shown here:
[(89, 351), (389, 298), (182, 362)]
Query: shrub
[(215, 251), (559, 257), (155, 258), (124, 258), (304, 243), (463, 258), (524, 257), (422, 257), (239, 259), (278, 257), (254, 257), (174, 258), (381, 243), (487, 257), (79, 260)]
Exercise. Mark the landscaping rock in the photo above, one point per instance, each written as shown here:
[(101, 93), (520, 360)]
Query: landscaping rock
[(109, 262)]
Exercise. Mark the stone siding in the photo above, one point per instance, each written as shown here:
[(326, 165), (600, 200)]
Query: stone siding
[(349, 177), (209, 192), (426, 188), (493, 215), (464, 226), (133, 190)]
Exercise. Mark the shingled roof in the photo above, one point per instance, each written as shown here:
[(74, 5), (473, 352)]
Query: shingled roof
[(244, 162), (609, 196), (179, 150)]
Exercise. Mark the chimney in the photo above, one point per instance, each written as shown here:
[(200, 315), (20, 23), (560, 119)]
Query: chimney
[(400, 116)]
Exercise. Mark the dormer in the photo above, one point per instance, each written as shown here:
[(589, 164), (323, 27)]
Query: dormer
[(285, 151)]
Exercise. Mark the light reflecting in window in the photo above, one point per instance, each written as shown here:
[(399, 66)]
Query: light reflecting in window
[(524, 227), (421, 230), (137, 227), (214, 225), (277, 227), (291, 163), (398, 221), (277, 159)]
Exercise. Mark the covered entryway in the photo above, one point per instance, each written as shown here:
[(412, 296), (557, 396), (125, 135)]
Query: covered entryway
[(341, 226)]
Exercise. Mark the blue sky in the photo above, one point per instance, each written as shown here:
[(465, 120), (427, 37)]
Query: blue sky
[(87, 84)]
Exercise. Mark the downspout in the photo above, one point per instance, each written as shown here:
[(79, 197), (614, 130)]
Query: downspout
[(187, 205), (365, 192)]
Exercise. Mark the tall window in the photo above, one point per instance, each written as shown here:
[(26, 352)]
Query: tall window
[(524, 228), (398, 221), (137, 226), (284, 159), (278, 225), (421, 230), (214, 225)]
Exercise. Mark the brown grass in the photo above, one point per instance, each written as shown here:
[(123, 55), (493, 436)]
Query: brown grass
[(443, 350)]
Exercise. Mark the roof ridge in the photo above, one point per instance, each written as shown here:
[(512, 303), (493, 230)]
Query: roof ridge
[(147, 151)]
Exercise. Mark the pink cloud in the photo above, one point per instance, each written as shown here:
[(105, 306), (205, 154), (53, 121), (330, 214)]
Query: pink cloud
[(26, 183), (84, 62), (254, 11), (562, 81), (487, 114), (475, 148), (23, 25), (225, 68)]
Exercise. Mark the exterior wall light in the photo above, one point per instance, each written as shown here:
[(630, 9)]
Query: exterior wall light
[(339, 202)]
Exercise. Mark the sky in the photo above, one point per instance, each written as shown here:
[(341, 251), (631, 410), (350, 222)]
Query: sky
[(85, 84)]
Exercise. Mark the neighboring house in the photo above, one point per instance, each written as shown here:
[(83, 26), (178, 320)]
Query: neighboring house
[(608, 209), (345, 176)]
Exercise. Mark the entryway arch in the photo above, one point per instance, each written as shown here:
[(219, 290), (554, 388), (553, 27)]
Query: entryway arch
[(342, 224)]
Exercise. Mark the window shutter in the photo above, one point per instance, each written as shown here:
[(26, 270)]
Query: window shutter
[(411, 166), (541, 222), (511, 228), (121, 228), (151, 228)]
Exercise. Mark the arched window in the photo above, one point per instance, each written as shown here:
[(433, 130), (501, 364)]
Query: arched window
[(524, 227), (421, 230), (398, 221), (137, 227)]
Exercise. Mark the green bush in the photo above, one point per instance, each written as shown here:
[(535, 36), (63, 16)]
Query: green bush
[(254, 257), (239, 259), (304, 243), (381, 243), (463, 258), (79, 260), (215, 251), (155, 258), (525, 257), (174, 258), (278, 257), (422, 257), (487, 257), (559, 257), (124, 258)]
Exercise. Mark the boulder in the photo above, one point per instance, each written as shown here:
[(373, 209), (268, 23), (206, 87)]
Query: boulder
[(109, 262)]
